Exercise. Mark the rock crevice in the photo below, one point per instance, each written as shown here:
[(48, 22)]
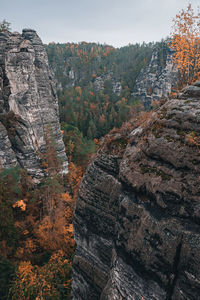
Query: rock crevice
[(139, 207)]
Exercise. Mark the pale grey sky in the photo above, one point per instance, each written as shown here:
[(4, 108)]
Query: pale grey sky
[(115, 22)]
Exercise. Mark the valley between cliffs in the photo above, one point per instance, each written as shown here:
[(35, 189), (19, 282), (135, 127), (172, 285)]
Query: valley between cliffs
[(137, 217)]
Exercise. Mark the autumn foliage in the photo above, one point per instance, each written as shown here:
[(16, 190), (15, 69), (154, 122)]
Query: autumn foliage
[(36, 231), (186, 44), (36, 236), (43, 282)]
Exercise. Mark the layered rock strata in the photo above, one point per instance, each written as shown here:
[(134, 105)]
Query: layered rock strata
[(137, 218), (28, 103), (156, 82)]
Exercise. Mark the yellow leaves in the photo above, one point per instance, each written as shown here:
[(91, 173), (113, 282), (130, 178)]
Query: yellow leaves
[(66, 197), (37, 233), (30, 246), (25, 269), (70, 228), (55, 231), (21, 204), (173, 95), (194, 140), (186, 44), (26, 249), (40, 282)]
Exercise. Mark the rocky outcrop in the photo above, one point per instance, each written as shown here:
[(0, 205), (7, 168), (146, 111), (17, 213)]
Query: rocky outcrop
[(137, 218), (100, 81), (28, 103), (156, 81)]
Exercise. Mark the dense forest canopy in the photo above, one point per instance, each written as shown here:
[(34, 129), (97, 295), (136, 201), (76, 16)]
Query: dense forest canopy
[(95, 84)]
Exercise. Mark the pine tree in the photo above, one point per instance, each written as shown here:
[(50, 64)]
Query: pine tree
[(4, 25)]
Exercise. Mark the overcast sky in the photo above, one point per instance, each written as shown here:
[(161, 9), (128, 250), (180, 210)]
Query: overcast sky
[(114, 22)]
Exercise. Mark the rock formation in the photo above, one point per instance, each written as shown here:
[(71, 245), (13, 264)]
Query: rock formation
[(137, 218), (147, 71), (99, 83), (28, 103), (155, 81)]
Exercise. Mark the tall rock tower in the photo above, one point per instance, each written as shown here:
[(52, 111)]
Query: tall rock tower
[(28, 103)]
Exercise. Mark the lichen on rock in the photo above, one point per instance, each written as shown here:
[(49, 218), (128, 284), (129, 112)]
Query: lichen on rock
[(28, 103), (137, 217)]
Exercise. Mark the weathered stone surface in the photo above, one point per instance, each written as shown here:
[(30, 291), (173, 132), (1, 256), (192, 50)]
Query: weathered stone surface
[(7, 156), (28, 102), (197, 83), (100, 81), (191, 91), (155, 81), (94, 227), (137, 218)]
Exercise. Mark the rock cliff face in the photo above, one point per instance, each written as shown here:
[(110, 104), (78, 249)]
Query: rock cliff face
[(137, 218), (99, 83), (28, 103), (155, 81)]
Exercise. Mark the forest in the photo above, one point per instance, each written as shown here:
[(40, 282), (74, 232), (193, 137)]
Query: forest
[(94, 87), (95, 84)]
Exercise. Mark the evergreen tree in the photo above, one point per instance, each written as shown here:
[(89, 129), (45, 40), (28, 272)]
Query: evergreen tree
[(4, 25)]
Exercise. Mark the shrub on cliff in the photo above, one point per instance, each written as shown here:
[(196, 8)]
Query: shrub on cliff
[(186, 44), (4, 25)]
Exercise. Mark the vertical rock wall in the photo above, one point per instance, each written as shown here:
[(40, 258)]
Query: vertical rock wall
[(137, 218), (155, 81), (28, 103)]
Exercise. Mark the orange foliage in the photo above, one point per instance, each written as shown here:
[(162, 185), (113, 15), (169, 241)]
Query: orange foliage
[(194, 140), (50, 160), (143, 119), (78, 90), (186, 44), (43, 218), (21, 204), (35, 282), (74, 178), (96, 141), (150, 90), (53, 231), (108, 50)]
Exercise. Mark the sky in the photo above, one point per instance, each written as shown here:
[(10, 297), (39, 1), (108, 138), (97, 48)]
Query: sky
[(114, 22)]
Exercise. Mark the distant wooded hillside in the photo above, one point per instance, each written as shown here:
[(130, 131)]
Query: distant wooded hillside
[(95, 84)]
